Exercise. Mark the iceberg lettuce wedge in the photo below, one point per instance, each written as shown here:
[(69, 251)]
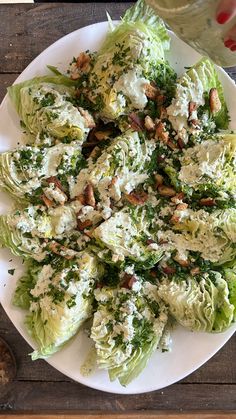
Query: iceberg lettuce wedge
[(199, 305), (59, 300), (127, 328), (127, 235), (30, 232), (19, 243), (210, 234), (207, 169), (22, 171), (44, 105), (132, 55), (207, 105), (122, 166), (230, 276)]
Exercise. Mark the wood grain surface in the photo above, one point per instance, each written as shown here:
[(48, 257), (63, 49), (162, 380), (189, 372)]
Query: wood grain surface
[(25, 31), (126, 415)]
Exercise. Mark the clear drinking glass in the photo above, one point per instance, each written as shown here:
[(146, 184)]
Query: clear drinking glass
[(194, 21)]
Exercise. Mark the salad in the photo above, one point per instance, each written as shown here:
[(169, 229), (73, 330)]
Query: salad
[(124, 199)]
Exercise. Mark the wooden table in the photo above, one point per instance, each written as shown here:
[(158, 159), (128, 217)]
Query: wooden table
[(25, 31)]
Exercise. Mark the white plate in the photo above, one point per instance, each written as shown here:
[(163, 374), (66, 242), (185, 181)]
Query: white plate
[(189, 350)]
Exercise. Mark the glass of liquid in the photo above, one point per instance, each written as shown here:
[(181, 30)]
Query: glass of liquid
[(194, 21)]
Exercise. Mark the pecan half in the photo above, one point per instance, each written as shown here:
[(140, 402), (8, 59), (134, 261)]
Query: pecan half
[(166, 191), (168, 270), (207, 202), (47, 201), (55, 181), (195, 270), (161, 133), (102, 135), (181, 143), (83, 62), (160, 99), (172, 145), (90, 123), (128, 281), (181, 262), (182, 207), (174, 219), (159, 180), (192, 106), (151, 91), (163, 113), (178, 197), (81, 199), (137, 198), (215, 103), (81, 225), (61, 250), (89, 195), (135, 122), (149, 123)]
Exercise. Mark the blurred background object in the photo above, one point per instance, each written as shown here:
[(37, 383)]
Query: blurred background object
[(7, 363)]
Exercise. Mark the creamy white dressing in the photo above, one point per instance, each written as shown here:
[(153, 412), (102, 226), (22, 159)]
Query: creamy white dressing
[(133, 85)]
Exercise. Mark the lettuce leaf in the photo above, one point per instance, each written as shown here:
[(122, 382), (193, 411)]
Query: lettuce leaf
[(199, 305)]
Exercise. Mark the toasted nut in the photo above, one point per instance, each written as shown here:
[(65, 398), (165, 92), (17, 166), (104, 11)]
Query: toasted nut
[(137, 198), (195, 123), (160, 159), (151, 91), (150, 241), (102, 135), (149, 123), (159, 180), (172, 145), (153, 274), (161, 133), (160, 100), (215, 103), (89, 232), (166, 191), (55, 181), (192, 106), (47, 201), (81, 225), (182, 207), (95, 152), (195, 270), (89, 195), (207, 202), (181, 262), (81, 199), (162, 241), (87, 117), (135, 122), (114, 180), (181, 144), (175, 219), (169, 270), (163, 113), (128, 281), (178, 197), (83, 62), (61, 250)]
